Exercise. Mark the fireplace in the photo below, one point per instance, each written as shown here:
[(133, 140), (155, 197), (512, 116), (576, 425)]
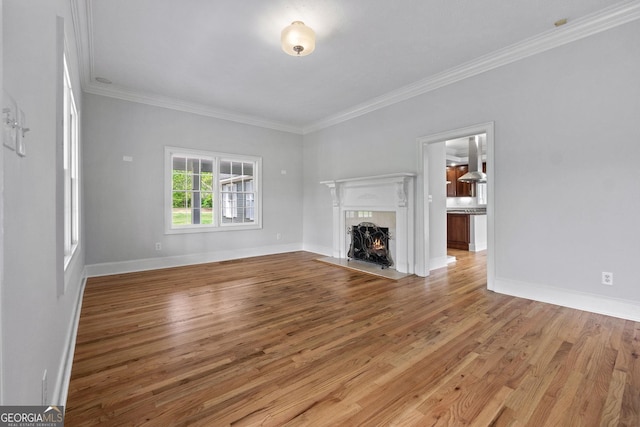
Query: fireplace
[(386, 201), (370, 243)]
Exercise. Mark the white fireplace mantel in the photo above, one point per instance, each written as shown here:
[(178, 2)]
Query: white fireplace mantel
[(388, 193)]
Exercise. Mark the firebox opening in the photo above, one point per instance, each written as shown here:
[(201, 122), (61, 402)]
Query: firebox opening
[(370, 243)]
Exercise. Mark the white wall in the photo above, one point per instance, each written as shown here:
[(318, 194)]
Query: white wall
[(125, 200), (566, 201), (1, 215), (36, 319), (436, 153)]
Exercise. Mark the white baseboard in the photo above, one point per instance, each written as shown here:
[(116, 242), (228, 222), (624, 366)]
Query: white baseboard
[(439, 262), (593, 303), (105, 269), (61, 390), (477, 247), (317, 249)]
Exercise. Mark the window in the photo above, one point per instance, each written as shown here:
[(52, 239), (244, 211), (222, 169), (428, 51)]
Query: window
[(237, 190), (209, 191), (70, 166)]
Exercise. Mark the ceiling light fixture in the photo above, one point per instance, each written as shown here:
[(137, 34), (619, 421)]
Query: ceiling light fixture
[(298, 39)]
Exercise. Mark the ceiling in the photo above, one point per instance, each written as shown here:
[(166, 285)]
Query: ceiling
[(223, 58)]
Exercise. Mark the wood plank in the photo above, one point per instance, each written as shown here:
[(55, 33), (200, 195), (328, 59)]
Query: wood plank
[(286, 340)]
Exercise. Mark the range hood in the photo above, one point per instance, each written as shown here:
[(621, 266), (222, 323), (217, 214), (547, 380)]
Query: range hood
[(475, 173)]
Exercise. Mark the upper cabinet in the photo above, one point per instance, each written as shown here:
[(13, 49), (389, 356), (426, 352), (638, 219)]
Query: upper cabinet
[(456, 188), (451, 181)]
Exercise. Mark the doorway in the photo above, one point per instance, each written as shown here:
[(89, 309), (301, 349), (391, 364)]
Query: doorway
[(431, 246)]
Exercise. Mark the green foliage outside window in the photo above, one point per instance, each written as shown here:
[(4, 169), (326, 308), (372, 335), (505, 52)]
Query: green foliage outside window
[(183, 189)]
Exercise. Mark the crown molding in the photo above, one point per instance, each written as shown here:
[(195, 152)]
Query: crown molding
[(602, 20), (187, 107), (580, 28), (81, 11), (82, 24)]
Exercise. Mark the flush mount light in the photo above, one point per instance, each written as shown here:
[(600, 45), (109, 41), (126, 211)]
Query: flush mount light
[(298, 39)]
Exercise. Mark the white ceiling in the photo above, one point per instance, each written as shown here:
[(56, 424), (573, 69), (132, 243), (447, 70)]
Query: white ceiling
[(223, 58)]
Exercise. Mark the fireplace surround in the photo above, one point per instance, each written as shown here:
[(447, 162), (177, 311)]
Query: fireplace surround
[(382, 193)]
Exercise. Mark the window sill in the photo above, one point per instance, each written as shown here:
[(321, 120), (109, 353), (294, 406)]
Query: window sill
[(68, 258), (191, 230)]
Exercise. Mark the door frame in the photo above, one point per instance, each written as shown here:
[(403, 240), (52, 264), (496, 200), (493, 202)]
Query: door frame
[(422, 243)]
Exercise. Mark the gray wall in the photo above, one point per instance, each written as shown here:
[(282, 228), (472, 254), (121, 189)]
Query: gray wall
[(36, 306), (566, 147), (125, 200)]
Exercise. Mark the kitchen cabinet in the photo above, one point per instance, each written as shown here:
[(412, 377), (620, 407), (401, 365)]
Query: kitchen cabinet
[(467, 231), (456, 188), (458, 231), (451, 181)]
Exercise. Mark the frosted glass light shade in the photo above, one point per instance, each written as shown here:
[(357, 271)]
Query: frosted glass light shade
[(298, 39)]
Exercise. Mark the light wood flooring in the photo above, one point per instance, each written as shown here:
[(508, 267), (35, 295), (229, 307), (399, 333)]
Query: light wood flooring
[(287, 340)]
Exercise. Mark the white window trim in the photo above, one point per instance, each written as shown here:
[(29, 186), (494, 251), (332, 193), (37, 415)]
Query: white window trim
[(71, 161), (217, 225)]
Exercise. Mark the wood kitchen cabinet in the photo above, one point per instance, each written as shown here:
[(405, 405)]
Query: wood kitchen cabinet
[(458, 231), (451, 181), (456, 188)]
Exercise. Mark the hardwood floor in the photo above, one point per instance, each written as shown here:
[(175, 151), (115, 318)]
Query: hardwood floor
[(287, 340)]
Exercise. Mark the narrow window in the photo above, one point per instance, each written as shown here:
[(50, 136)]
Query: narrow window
[(70, 166)]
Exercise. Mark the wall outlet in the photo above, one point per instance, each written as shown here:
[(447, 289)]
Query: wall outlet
[(607, 278), (45, 392), (278, 236), (158, 246)]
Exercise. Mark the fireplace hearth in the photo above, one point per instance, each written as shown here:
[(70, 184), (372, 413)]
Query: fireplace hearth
[(370, 243)]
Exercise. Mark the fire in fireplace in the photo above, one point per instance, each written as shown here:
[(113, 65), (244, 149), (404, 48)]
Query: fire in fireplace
[(370, 243)]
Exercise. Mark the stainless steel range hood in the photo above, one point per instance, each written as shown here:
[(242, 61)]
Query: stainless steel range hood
[(475, 173)]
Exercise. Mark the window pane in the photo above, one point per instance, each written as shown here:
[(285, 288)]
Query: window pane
[(179, 163), (192, 165), (178, 181), (206, 208), (181, 214), (236, 169), (247, 169), (207, 165), (225, 169), (206, 181)]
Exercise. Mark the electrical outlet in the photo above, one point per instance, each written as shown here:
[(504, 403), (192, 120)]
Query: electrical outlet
[(278, 236), (158, 246), (607, 278), (45, 392)]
